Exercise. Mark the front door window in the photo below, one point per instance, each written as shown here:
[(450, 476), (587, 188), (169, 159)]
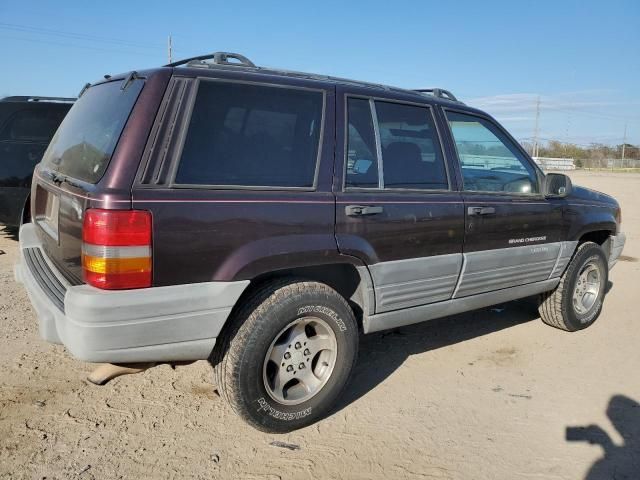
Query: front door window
[(489, 160)]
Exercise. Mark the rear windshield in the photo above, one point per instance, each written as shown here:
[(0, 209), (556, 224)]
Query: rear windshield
[(87, 137)]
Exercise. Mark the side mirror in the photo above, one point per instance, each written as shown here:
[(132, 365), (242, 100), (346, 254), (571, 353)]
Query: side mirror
[(557, 185)]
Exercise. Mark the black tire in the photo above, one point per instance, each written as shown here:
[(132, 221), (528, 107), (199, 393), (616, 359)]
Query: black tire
[(557, 306), (25, 215), (239, 356)]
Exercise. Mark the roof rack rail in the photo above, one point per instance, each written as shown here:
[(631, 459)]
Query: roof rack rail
[(26, 98), (219, 58), (439, 93)]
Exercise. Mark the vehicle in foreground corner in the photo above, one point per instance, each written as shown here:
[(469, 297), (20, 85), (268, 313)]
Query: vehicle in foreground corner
[(212, 209), (26, 127)]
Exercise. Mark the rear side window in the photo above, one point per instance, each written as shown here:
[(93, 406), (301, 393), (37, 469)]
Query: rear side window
[(411, 155), (251, 135), (362, 161), (83, 145), (32, 125)]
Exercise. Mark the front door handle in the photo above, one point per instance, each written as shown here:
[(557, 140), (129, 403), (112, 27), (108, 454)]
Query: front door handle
[(360, 210), (481, 210)]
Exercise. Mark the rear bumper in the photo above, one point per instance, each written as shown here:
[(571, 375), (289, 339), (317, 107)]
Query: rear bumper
[(146, 325), (616, 243)]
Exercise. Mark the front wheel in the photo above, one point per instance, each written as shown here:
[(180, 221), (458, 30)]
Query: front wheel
[(576, 302), (287, 355)]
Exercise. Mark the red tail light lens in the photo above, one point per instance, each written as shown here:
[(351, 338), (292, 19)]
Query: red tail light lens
[(116, 248), (117, 227)]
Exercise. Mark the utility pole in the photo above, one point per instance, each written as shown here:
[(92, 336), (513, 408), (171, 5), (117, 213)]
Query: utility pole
[(536, 131), (566, 133), (169, 48), (624, 142)]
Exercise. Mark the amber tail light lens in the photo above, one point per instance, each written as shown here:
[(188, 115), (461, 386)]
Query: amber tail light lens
[(116, 249)]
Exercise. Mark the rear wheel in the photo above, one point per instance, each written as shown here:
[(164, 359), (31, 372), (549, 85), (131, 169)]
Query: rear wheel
[(287, 355), (576, 302)]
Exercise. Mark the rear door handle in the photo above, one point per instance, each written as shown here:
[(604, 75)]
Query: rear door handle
[(481, 210), (360, 210)]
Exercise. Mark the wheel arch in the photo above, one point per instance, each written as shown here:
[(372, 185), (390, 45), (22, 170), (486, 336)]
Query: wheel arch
[(596, 236), (350, 278), (596, 225), (600, 237)]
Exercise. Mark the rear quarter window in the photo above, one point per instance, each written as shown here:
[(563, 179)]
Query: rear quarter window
[(251, 135)]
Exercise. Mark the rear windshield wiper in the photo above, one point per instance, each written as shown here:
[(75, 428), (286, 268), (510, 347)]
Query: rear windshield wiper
[(84, 89), (127, 81), (59, 179)]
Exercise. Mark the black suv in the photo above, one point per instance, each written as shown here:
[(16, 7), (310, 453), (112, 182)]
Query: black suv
[(262, 219), (26, 127)]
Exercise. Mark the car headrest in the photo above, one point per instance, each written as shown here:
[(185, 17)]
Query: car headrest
[(402, 152)]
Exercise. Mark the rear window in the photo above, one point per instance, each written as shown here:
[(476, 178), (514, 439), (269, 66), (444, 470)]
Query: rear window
[(87, 137), (411, 155), (251, 135)]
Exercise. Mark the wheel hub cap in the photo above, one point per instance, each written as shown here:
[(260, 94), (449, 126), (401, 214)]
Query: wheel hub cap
[(587, 288), (300, 361)]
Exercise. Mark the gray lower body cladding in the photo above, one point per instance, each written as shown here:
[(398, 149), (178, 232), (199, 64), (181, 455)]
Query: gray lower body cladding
[(399, 318), (617, 245), (492, 277), (564, 256), (491, 270), (422, 289), (407, 283)]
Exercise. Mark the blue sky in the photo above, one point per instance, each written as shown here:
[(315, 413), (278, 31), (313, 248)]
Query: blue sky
[(582, 58)]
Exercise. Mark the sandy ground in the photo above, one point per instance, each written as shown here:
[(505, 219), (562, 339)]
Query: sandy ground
[(485, 395)]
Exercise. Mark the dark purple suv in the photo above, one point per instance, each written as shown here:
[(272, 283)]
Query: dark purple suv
[(212, 209)]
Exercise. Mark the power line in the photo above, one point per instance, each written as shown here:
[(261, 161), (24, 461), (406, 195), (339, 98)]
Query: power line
[(571, 109), (591, 114), (71, 45), (75, 36)]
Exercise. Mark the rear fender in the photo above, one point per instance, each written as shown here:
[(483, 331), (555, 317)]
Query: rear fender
[(302, 255)]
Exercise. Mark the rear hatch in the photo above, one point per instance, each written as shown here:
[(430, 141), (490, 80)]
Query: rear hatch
[(73, 173)]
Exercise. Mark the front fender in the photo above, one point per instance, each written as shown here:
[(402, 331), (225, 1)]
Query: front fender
[(583, 219)]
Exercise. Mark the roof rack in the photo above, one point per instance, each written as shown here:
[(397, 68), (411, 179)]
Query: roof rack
[(24, 98), (219, 58), (439, 93)]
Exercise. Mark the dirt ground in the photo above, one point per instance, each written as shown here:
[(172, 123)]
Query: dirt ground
[(492, 394)]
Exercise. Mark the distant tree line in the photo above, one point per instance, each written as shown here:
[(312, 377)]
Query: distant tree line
[(595, 155), (494, 149)]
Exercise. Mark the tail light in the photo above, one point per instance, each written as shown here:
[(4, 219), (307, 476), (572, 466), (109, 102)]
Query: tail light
[(116, 249)]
